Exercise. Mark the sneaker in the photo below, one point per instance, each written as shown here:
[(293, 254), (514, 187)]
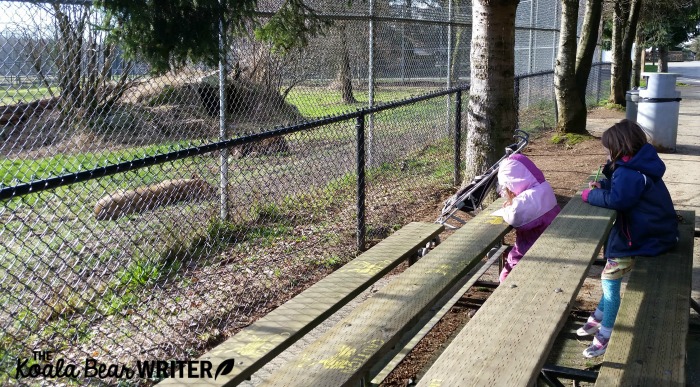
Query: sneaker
[(589, 328), (597, 347)]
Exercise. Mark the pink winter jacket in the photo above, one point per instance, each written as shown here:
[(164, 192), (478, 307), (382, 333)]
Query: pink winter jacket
[(532, 210)]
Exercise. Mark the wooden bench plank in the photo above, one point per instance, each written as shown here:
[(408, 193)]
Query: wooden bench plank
[(508, 339), (344, 354), (648, 344), (425, 329), (266, 338)]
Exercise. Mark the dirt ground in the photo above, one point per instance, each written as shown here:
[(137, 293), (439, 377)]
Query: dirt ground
[(566, 167)]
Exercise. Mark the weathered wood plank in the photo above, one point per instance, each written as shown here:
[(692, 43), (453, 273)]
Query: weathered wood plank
[(413, 342), (266, 338), (648, 344), (508, 339), (343, 355)]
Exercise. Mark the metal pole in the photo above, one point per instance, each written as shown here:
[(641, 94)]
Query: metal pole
[(599, 71), (516, 98), (531, 56), (556, 108), (554, 40), (403, 46), (370, 76), (360, 128), (223, 132), (554, 58), (449, 64), (458, 139)]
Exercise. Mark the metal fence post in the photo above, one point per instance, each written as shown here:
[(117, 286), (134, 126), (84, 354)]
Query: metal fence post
[(555, 40), (223, 132), (516, 101), (403, 43), (449, 64), (599, 70), (556, 108), (531, 41), (370, 81), (361, 183), (458, 138)]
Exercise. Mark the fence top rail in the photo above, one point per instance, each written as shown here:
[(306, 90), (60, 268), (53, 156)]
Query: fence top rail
[(551, 72), (131, 165)]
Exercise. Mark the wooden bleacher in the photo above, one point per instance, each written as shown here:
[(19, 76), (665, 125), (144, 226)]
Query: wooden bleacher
[(507, 341), (648, 343), (258, 343), (344, 354)]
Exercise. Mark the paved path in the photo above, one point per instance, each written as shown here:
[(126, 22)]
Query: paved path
[(690, 71), (683, 179), (683, 167)]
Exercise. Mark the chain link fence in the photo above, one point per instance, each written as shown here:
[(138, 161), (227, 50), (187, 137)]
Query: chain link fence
[(138, 222)]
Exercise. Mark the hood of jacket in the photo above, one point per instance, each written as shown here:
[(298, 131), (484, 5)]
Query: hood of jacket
[(646, 161), (518, 173)]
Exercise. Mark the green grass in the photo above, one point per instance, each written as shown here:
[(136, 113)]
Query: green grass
[(321, 102), (14, 171), (611, 106), (570, 139), (650, 68), (13, 96), (130, 282), (329, 261), (537, 116)]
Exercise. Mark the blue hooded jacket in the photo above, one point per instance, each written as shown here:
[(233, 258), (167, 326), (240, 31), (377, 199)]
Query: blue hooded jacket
[(646, 222)]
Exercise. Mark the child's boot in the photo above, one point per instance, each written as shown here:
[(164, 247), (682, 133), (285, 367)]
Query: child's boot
[(597, 347), (590, 327)]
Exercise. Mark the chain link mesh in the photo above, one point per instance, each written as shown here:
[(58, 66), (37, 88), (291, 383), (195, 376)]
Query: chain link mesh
[(159, 262)]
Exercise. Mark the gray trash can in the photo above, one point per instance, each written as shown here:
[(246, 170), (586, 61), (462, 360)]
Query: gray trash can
[(658, 108), (632, 97)]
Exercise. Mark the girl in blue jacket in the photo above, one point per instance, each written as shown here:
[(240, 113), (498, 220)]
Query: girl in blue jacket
[(646, 222)]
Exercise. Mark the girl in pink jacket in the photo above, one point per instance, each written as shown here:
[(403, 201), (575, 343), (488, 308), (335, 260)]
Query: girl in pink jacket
[(530, 205)]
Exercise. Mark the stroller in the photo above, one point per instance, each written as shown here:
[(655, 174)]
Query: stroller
[(470, 197)]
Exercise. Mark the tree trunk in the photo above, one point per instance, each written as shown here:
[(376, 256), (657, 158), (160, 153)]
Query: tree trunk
[(344, 78), (628, 42), (457, 54), (624, 31), (458, 51), (587, 44), (662, 65), (491, 113), (571, 112), (617, 92), (638, 64)]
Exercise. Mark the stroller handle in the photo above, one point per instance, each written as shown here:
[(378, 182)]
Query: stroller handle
[(469, 197), (523, 139), (521, 134)]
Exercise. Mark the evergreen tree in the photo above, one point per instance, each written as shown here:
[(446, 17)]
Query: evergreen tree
[(168, 33)]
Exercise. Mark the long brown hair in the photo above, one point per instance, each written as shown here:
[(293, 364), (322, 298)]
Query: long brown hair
[(625, 138)]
